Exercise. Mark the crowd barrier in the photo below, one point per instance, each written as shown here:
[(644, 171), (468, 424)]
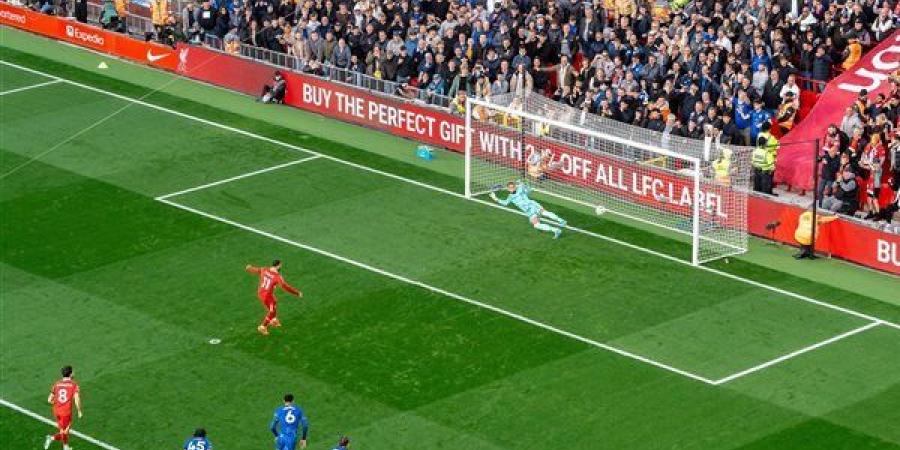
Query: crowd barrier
[(333, 73), (842, 238)]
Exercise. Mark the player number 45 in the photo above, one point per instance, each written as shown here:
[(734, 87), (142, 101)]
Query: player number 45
[(197, 446)]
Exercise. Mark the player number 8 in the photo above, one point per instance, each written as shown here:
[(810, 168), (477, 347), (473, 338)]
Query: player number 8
[(62, 396), (289, 417)]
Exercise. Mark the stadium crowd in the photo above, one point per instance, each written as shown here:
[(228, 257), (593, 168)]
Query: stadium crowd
[(689, 67)]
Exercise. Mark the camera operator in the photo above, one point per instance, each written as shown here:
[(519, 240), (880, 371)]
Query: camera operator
[(275, 92)]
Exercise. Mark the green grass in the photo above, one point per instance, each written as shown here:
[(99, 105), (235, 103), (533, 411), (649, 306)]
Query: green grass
[(96, 273)]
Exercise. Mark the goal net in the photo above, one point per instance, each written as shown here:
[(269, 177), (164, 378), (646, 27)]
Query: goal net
[(693, 188)]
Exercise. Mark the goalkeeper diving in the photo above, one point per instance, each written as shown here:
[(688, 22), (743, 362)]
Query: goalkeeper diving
[(518, 196)]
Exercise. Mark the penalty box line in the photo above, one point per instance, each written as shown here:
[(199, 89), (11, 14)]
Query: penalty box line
[(237, 177), (293, 147), (796, 353), (165, 199), (437, 290), (29, 87)]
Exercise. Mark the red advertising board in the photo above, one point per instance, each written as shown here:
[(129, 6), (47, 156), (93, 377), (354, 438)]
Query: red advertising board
[(220, 69), (841, 238), (29, 20), (89, 36)]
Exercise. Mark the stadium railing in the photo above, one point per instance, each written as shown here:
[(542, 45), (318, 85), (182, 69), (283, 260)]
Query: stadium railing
[(333, 73), (134, 24)]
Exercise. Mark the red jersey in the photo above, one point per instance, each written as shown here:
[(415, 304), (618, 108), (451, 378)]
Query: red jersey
[(63, 393), (269, 279)]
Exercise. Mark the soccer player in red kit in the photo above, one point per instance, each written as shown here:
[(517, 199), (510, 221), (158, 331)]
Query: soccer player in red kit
[(62, 395), (269, 279)]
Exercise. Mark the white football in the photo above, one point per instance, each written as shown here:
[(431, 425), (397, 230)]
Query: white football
[(600, 210)]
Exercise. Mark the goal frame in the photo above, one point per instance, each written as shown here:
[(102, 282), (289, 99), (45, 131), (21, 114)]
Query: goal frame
[(695, 174)]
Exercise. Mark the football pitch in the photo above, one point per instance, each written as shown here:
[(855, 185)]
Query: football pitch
[(130, 201)]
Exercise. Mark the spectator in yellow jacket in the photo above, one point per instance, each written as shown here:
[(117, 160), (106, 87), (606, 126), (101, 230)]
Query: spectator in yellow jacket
[(122, 9), (854, 52), (159, 12)]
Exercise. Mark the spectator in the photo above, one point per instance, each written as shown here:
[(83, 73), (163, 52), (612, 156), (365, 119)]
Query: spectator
[(159, 13), (887, 213), (458, 105), (232, 41), (109, 16), (759, 118), (206, 17), (190, 28), (787, 112), (883, 24), (872, 161), (771, 92), (223, 23), (830, 164), (760, 78), (853, 53), (790, 86), (844, 195), (850, 121), (122, 14), (821, 68), (340, 56)]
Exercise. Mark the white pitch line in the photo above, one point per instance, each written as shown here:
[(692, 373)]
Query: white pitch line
[(458, 195), (33, 86), (238, 177), (803, 350), (47, 421), (438, 290)]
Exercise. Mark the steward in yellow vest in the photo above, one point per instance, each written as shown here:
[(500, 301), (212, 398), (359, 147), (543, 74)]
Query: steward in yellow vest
[(803, 233), (763, 160), (722, 167)]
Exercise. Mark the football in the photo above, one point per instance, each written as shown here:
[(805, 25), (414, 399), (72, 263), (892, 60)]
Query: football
[(600, 210)]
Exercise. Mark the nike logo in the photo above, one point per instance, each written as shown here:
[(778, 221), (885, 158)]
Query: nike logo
[(153, 58)]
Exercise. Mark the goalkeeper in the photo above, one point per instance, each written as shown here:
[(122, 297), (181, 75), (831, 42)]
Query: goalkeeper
[(518, 196)]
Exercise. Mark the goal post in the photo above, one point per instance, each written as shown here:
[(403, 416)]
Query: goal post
[(678, 184)]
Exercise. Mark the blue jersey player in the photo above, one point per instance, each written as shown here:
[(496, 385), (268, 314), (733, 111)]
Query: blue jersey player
[(518, 196), (285, 424), (198, 441)]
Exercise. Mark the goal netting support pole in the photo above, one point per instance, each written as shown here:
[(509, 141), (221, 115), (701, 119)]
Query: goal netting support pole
[(689, 189)]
